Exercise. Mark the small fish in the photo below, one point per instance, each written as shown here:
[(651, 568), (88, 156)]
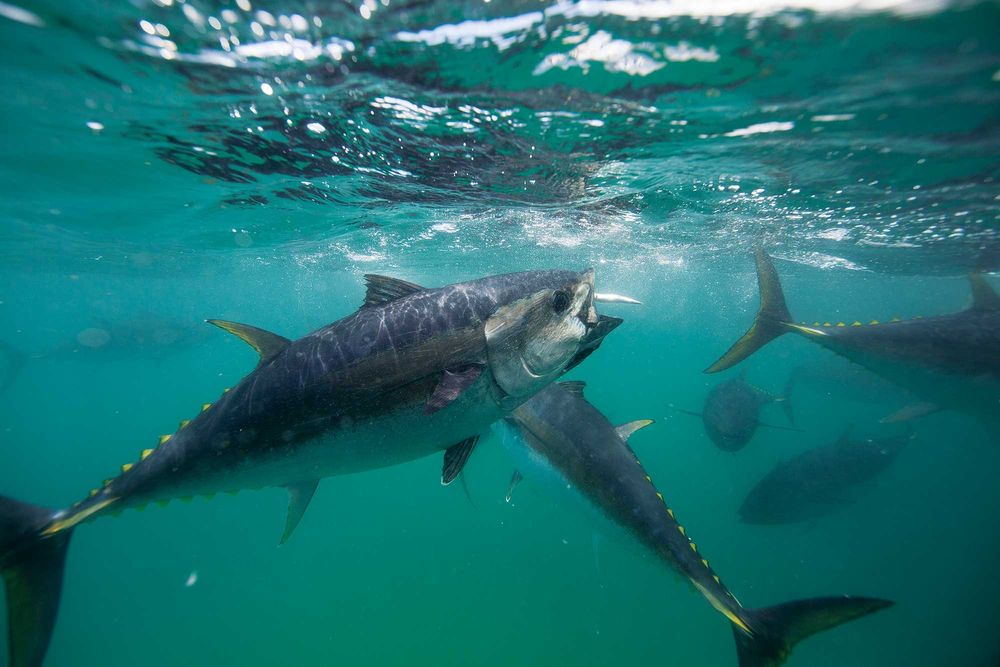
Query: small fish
[(949, 361), (414, 371), (558, 436), (817, 481)]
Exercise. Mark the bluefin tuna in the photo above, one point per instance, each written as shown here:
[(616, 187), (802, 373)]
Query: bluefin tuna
[(412, 372), (948, 361), (559, 436), (731, 413), (817, 481)]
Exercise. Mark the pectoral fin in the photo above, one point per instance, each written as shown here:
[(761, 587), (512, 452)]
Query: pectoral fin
[(455, 458), (909, 412), (626, 430), (453, 382), (299, 495), (515, 479), (781, 428)]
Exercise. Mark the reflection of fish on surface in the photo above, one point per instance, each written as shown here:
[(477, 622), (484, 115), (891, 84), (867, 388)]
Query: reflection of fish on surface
[(557, 436), (731, 413), (819, 480), (413, 372), (949, 361)]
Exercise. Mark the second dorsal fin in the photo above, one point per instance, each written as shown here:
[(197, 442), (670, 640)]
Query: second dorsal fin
[(984, 297), (266, 343), (383, 289)]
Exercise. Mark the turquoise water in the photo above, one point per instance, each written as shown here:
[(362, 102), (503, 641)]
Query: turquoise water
[(164, 162)]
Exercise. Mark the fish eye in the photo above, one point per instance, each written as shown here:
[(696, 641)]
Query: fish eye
[(560, 301)]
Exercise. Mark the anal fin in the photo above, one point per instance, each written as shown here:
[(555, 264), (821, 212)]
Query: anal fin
[(455, 458), (299, 495)]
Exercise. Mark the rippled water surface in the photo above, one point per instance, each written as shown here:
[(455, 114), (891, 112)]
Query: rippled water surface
[(167, 161)]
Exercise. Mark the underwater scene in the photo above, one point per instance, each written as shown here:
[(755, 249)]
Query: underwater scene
[(500, 333)]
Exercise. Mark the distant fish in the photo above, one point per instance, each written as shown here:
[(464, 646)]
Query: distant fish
[(558, 437), (145, 334), (948, 361), (819, 480), (414, 371), (731, 413)]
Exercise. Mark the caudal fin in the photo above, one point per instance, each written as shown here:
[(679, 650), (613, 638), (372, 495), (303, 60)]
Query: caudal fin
[(32, 569), (776, 630), (770, 320)]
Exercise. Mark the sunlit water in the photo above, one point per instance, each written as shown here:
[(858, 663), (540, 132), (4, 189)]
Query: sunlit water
[(165, 162)]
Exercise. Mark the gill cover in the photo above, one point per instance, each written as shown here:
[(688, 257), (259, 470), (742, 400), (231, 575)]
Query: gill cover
[(531, 340)]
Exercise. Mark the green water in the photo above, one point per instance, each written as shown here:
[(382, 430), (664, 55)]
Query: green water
[(657, 143)]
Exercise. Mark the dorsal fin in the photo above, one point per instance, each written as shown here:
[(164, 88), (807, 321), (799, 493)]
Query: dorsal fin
[(626, 430), (266, 343), (574, 386), (984, 297), (845, 437), (383, 289)]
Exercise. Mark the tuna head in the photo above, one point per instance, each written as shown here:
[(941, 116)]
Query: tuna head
[(532, 339)]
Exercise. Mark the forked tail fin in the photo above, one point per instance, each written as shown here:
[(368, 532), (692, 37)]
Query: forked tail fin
[(769, 323), (776, 630), (32, 569)]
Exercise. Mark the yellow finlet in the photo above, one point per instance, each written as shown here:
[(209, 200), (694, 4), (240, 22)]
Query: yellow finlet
[(185, 422), (683, 532), (94, 492), (162, 503), (126, 467), (704, 562), (895, 319), (694, 547), (826, 324), (873, 322), (163, 439), (670, 512), (145, 454), (659, 495), (840, 324), (717, 580), (226, 390), (855, 323), (72, 520), (107, 481), (205, 406), (186, 499)]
